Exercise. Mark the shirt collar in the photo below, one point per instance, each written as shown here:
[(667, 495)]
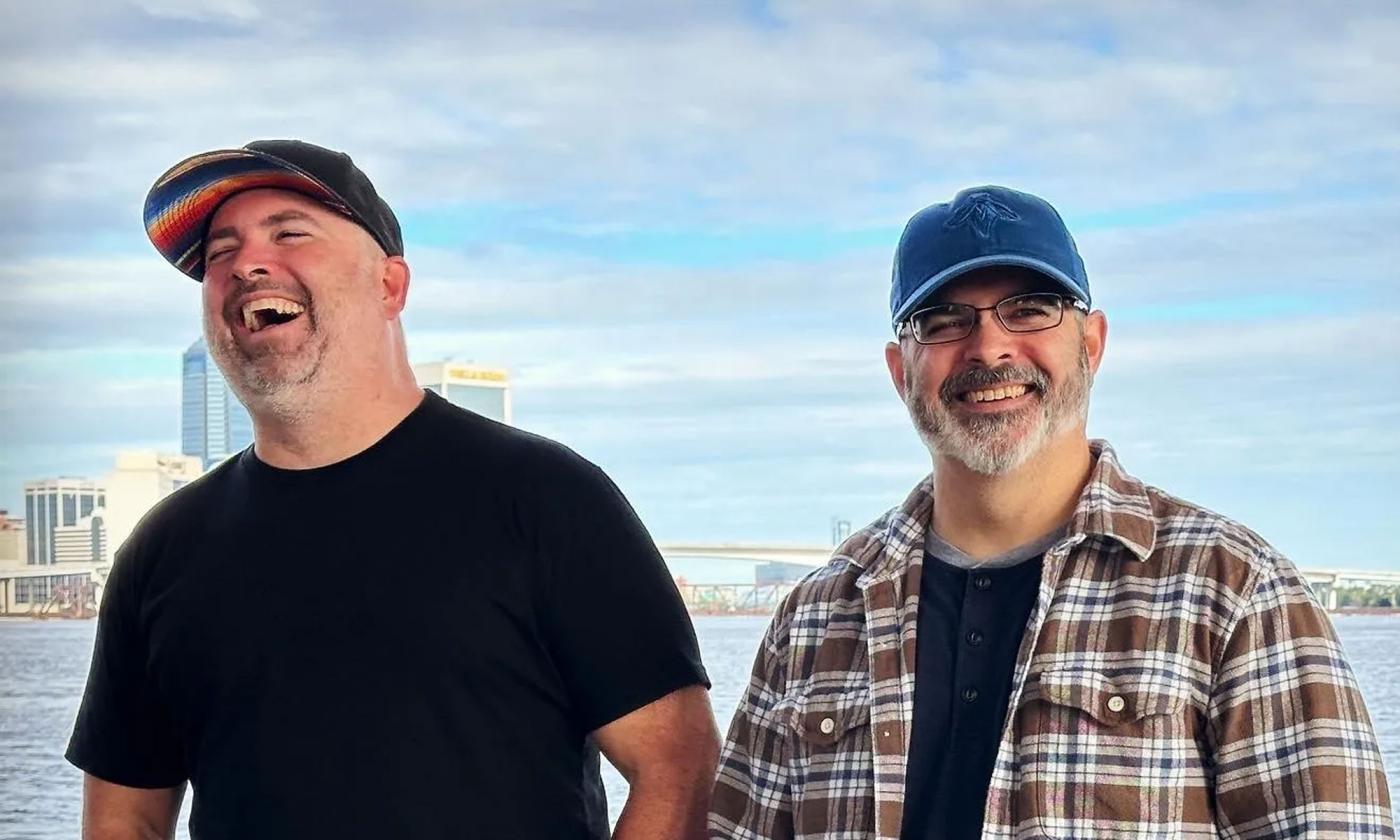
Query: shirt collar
[(1113, 504), (887, 545)]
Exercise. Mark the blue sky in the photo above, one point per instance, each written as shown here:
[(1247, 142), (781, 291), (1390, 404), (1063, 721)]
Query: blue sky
[(673, 224)]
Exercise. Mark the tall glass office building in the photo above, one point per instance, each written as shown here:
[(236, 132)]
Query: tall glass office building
[(213, 423)]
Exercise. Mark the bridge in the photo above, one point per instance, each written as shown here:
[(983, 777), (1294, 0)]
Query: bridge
[(801, 555), (1326, 582), (761, 595), (776, 568)]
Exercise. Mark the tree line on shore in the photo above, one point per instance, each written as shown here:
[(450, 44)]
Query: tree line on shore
[(1368, 597)]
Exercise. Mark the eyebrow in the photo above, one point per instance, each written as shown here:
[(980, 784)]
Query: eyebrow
[(270, 221)]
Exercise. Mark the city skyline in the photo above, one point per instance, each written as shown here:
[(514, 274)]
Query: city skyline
[(213, 426), (674, 227)]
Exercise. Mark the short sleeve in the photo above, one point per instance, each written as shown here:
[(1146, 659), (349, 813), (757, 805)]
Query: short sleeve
[(614, 619), (123, 733)]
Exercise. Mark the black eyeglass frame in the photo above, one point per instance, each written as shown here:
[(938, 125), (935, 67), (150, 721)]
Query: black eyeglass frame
[(908, 323)]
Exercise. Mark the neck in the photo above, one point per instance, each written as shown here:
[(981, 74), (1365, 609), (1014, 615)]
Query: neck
[(331, 424), (986, 515)]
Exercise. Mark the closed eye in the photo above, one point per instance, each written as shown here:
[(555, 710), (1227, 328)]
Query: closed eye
[(285, 234)]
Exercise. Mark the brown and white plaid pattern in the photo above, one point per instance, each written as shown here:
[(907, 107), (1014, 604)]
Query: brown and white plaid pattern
[(1177, 679)]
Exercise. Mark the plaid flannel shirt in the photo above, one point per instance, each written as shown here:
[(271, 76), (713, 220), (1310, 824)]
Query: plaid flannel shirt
[(1177, 678)]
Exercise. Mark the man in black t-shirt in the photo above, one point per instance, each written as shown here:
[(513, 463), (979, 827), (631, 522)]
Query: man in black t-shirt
[(389, 617)]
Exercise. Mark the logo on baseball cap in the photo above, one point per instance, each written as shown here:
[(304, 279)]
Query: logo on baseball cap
[(982, 226), (184, 199)]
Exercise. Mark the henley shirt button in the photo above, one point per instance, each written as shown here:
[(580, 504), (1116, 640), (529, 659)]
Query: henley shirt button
[(974, 637), (828, 726), (969, 695), (982, 582), (1116, 703)]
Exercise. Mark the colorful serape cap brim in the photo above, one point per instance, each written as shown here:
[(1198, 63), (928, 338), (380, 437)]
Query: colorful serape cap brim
[(181, 202)]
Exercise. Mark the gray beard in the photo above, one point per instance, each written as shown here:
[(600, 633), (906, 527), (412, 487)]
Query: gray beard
[(985, 443), (283, 397)]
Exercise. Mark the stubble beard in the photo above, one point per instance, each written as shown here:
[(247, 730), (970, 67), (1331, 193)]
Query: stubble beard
[(995, 444), (271, 381)]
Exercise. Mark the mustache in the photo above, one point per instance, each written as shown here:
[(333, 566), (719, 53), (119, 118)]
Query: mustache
[(974, 379)]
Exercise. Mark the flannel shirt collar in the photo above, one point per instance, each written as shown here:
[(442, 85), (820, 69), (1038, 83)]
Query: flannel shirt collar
[(1113, 505)]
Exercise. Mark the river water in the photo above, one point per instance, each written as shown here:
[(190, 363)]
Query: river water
[(43, 666)]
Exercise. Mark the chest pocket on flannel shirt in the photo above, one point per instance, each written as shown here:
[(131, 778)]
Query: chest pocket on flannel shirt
[(832, 763), (1094, 751)]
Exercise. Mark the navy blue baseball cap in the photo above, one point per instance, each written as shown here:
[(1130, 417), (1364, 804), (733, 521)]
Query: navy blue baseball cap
[(982, 226)]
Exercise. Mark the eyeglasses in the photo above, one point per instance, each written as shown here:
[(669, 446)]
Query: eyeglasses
[(949, 322)]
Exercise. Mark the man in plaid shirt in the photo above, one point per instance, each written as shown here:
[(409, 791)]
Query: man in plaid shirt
[(1036, 644)]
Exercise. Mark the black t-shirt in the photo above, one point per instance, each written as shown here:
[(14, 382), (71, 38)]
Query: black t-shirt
[(413, 642), (971, 622)]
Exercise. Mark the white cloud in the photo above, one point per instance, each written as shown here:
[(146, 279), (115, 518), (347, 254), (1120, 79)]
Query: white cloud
[(1316, 343), (753, 395), (219, 11), (95, 302), (712, 118)]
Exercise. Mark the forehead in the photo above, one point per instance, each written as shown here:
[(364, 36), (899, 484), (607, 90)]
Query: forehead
[(252, 206), (986, 286)]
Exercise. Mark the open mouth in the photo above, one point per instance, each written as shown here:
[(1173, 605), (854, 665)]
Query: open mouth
[(1000, 393), (261, 314)]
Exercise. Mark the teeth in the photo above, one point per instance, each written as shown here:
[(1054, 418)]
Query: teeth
[(281, 306), (994, 394)]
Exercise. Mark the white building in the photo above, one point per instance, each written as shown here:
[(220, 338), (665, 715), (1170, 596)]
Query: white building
[(70, 506), (12, 546), (136, 483), (483, 390), (44, 591), (65, 541), (83, 542)]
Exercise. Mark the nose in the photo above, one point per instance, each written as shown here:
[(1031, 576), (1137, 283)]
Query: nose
[(990, 344), (252, 259)]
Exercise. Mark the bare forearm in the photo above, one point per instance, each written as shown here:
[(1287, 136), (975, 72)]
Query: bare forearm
[(668, 751), (666, 809), (110, 830)]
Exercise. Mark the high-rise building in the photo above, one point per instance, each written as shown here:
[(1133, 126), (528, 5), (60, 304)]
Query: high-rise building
[(213, 423), (138, 481), (64, 521), (483, 390)]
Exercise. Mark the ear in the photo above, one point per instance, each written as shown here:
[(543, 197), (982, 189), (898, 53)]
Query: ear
[(1095, 338), (393, 283), (894, 360)]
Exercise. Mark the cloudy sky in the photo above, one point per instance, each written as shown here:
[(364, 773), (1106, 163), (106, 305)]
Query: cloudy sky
[(673, 223)]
